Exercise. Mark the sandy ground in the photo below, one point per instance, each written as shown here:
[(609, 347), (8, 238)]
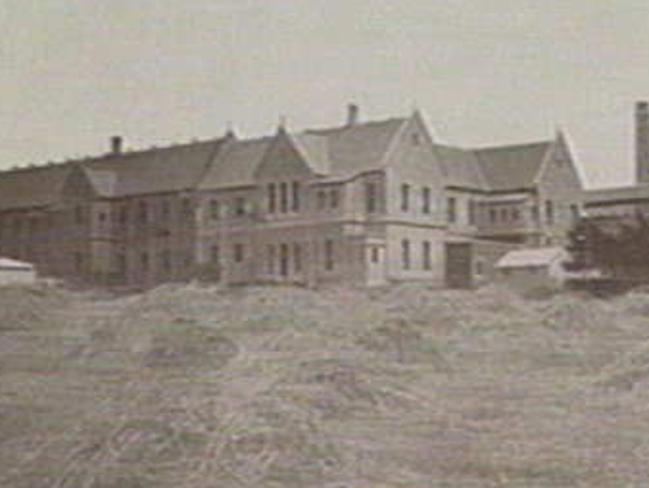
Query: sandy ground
[(197, 386)]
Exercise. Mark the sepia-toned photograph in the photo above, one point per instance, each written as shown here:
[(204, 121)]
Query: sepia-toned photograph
[(324, 243)]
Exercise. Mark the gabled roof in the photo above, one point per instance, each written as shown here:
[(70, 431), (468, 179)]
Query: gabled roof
[(314, 149), (32, 187), (161, 170), (460, 167), (352, 149), (512, 167), (532, 258), (235, 165), (501, 168)]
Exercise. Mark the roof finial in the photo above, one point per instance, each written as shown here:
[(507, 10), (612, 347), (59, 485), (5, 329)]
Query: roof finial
[(229, 131), (282, 122)]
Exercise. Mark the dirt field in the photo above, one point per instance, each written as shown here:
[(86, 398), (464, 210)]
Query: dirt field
[(191, 386)]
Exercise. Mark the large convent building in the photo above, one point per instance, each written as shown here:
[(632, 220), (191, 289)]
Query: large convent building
[(364, 203)]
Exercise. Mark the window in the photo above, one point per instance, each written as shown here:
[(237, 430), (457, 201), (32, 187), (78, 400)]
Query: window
[(215, 210), (123, 215), (535, 213), (405, 197), (165, 261), (283, 260), (144, 261), (451, 211), (405, 253), (493, 215), (101, 217), (574, 212), (516, 214), (187, 206), (78, 214), (272, 198), (322, 199), (425, 255), (329, 254), (270, 258), (297, 257), (121, 263), (415, 139), (549, 211), (425, 196), (333, 198), (165, 210), (370, 197), (78, 262), (238, 253), (504, 214), (283, 197), (215, 254), (142, 212), (374, 254), (471, 212), (240, 206), (479, 268), (295, 190)]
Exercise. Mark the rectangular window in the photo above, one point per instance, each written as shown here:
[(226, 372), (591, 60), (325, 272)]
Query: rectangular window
[(329, 254), (272, 198), (549, 211), (451, 210), (121, 264), (270, 259), (283, 260), (535, 213), (166, 210), (240, 206), (322, 199), (295, 190), (471, 212), (370, 197), (78, 215), (405, 197), (123, 215), (504, 214), (425, 255), (493, 215), (215, 254), (425, 196), (187, 206), (333, 198), (144, 261), (283, 197), (165, 261), (516, 214), (78, 262), (574, 212), (297, 257), (405, 253), (143, 212), (215, 211), (238, 253), (374, 256)]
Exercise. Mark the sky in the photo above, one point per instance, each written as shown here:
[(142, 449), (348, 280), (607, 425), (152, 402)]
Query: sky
[(483, 72)]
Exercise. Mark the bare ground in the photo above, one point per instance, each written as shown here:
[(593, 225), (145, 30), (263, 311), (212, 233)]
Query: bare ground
[(193, 386)]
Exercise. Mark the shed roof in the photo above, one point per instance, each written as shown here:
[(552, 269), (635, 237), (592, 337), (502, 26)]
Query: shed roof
[(532, 258)]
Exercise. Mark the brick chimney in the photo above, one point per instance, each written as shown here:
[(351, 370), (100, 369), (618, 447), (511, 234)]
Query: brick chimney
[(352, 114), (642, 141), (116, 145)]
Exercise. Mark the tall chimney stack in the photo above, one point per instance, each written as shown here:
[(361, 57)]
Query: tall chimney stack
[(352, 114), (116, 145), (642, 142)]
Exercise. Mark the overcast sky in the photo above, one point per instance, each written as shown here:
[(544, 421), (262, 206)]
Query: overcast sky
[(484, 72)]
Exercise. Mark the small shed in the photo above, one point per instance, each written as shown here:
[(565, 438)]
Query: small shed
[(16, 272), (531, 268)]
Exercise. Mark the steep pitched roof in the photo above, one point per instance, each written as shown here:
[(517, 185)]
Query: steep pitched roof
[(501, 168), (315, 150), (235, 165), (32, 187), (512, 167), (162, 170), (460, 167), (352, 149)]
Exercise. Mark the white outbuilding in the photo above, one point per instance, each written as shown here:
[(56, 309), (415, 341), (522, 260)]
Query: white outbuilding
[(530, 268), (16, 272)]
